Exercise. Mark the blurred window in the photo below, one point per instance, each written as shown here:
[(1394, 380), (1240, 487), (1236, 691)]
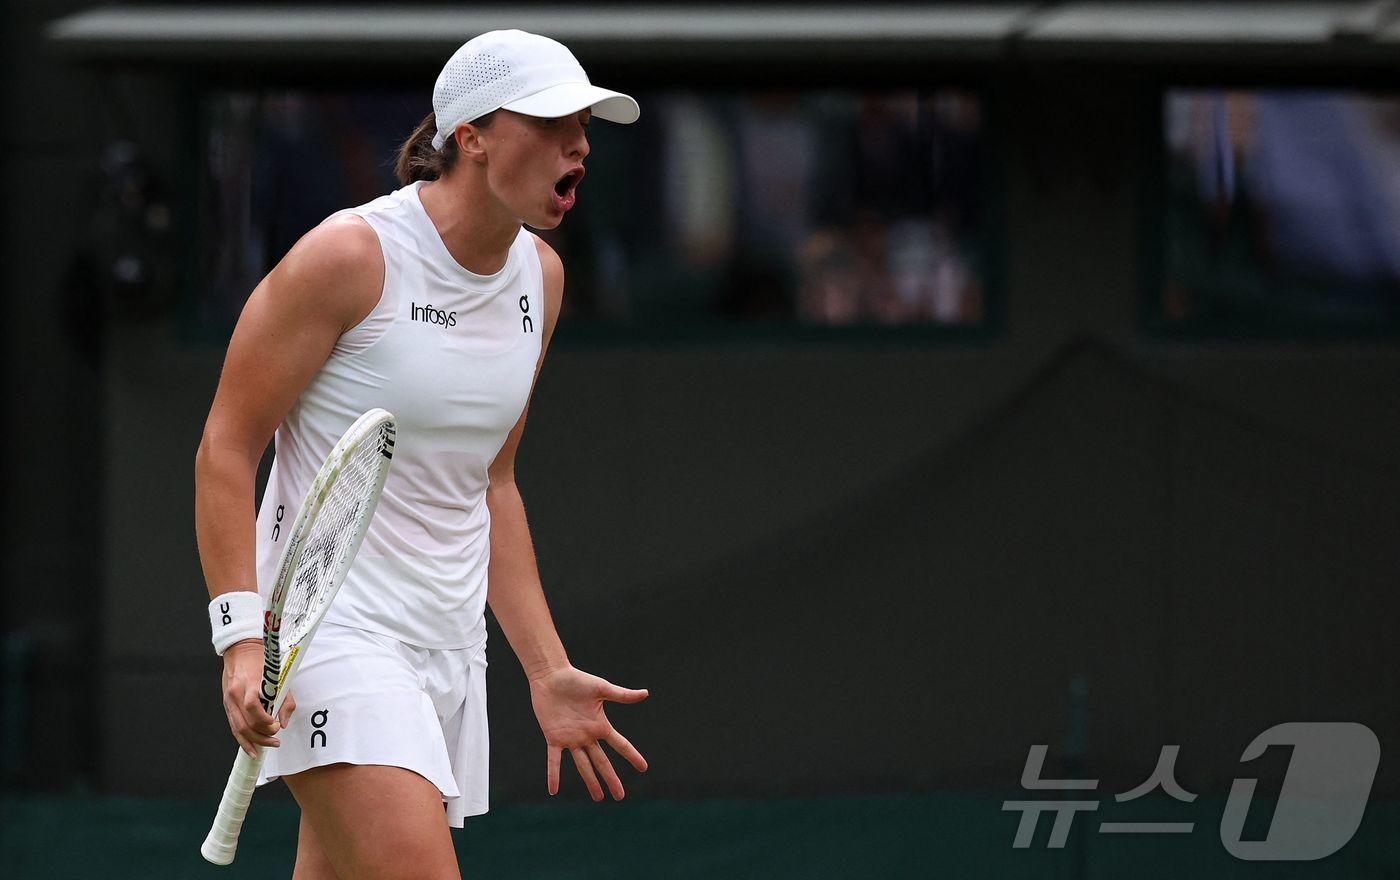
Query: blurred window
[(1283, 211), (814, 208)]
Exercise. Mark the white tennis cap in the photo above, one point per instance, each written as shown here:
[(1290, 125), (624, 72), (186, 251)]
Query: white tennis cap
[(523, 72)]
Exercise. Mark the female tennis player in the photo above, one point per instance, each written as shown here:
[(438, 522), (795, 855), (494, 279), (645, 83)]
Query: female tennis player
[(435, 303)]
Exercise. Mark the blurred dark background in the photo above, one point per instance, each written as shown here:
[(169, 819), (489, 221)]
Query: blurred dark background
[(935, 381)]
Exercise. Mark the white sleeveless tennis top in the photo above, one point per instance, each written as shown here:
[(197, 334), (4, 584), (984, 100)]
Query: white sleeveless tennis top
[(452, 355)]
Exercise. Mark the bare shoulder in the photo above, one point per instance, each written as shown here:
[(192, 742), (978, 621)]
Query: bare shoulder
[(552, 268), (338, 264)]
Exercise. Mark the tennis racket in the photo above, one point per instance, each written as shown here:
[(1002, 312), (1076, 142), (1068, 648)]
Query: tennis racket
[(319, 549)]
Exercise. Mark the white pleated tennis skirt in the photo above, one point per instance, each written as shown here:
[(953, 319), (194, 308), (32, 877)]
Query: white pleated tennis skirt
[(367, 698)]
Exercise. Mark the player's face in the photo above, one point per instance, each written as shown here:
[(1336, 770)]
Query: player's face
[(534, 165)]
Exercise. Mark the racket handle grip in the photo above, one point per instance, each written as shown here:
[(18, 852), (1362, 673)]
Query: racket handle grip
[(221, 844)]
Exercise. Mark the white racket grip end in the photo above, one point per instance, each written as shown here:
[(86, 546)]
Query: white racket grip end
[(221, 844)]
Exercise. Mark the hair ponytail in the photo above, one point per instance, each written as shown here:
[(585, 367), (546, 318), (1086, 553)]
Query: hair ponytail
[(417, 158)]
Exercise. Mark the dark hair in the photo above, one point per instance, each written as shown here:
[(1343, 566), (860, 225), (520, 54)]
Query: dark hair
[(417, 158)]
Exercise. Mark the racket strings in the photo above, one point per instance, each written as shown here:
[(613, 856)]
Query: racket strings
[(332, 534)]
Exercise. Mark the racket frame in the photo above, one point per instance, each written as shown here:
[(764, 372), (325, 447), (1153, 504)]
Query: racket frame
[(221, 844)]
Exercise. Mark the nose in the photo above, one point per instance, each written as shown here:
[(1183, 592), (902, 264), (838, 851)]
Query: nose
[(578, 147)]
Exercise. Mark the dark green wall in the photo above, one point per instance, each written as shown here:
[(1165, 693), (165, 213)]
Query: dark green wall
[(49, 141)]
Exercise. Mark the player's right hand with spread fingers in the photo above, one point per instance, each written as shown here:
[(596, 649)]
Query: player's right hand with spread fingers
[(250, 723)]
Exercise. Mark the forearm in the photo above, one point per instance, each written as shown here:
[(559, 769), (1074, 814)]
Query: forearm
[(514, 591), (224, 518), (223, 521)]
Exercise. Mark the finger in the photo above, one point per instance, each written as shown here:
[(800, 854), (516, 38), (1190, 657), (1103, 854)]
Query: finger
[(263, 739), (244, 733), (626, 750), (239, 728), (585, 769), (258, 740), (247, 738), (253, 707), (246, 746), (624, 695), (552, 770), (288, 707), (605, 767), (235, 723), (256, 717)]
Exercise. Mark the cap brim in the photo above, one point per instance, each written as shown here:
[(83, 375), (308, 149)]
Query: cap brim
[(568, 98)]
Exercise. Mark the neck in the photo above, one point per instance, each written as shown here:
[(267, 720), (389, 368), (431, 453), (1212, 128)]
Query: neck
[(476, 228)]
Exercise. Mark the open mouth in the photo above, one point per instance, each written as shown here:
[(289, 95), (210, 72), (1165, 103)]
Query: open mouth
[(564, 186)]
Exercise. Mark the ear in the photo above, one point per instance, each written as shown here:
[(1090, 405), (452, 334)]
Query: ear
[(469, 143)]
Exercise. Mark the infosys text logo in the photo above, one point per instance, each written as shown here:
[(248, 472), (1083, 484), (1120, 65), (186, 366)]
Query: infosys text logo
[(429, 315)]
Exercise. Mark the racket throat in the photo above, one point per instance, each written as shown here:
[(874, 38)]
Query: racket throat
[(272, 664)]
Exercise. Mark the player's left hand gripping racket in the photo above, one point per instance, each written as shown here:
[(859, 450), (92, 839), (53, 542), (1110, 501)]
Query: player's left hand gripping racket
[(319, 549)]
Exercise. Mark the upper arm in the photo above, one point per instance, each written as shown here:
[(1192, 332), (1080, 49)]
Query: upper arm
[(552, 269), (325, 284)]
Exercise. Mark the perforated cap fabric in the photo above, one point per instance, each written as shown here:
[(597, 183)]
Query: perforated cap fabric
[(522, 72)]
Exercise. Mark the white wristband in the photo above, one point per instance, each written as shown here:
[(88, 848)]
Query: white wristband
[(234, 617)]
